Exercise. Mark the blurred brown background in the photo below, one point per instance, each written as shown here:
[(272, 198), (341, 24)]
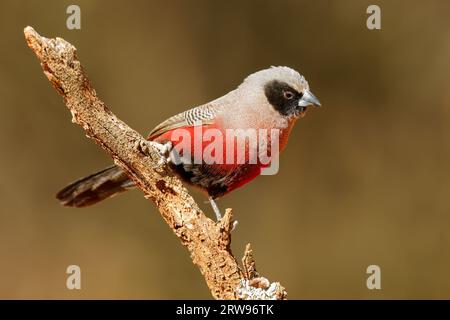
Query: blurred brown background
[(365, 180)]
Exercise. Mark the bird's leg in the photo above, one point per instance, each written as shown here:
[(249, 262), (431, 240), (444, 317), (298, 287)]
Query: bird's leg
[(218, 214), (215, 208)]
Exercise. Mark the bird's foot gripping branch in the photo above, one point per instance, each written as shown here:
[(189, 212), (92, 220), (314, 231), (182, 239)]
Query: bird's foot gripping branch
[(207, 241)]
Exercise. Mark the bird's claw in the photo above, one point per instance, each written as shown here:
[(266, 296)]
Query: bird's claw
[(164, 149)]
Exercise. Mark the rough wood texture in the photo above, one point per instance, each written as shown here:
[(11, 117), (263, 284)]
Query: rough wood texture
[(208, 242)]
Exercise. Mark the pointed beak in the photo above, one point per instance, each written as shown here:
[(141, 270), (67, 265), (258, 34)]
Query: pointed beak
[(308, 99)]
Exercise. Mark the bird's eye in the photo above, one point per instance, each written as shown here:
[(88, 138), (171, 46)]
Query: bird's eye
[(288, 95)]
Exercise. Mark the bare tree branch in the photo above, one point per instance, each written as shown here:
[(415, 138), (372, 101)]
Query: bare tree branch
[(207, 241)]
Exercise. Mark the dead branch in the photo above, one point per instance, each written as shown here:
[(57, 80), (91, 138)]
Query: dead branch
[(208, 242)]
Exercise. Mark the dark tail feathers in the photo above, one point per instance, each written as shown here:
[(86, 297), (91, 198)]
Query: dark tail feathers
[(94, 188)]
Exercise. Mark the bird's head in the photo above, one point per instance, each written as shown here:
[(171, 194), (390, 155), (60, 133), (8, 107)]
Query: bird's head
[(285, 89)]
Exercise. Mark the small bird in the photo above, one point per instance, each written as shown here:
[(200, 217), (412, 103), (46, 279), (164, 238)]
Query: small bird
[(273, 98)]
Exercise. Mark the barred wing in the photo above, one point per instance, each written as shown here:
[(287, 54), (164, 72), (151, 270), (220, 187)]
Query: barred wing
[(204, 114)]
